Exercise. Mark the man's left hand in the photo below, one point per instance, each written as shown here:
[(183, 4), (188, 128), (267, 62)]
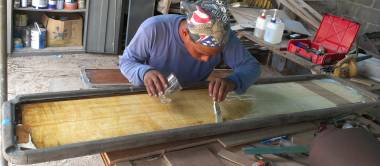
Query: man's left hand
[(219, 87)]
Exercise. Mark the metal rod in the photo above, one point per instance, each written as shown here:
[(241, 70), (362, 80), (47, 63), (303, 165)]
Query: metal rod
[(3, 61)]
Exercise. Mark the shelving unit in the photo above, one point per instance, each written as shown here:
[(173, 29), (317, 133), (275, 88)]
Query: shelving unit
[(48, 50), (49, 10)]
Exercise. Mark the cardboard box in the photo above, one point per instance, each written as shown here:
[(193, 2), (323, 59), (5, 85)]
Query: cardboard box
[(63, 29)]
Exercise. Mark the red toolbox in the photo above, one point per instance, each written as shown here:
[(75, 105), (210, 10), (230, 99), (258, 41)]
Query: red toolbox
[(331, 43)]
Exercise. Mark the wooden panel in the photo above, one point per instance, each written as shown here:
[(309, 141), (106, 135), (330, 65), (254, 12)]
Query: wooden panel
[(105, 76), (72, 121), (64, 122), (235, 158), (192, 157), (264, 133), (111, 158)]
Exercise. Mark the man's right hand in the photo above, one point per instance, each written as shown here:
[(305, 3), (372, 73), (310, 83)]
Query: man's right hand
[(155, 82)]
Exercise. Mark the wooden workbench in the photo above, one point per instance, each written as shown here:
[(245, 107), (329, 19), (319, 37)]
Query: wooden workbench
[(281, 50)]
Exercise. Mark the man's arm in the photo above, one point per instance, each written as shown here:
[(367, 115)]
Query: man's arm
[(246, 68), (133, 62)]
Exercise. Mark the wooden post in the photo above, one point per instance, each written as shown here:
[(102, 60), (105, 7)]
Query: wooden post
[(3, 63)]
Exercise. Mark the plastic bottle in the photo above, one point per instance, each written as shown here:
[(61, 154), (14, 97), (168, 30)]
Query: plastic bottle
[(260, 26), (40, 4), (24, 3), (274, 30), (60, 4)]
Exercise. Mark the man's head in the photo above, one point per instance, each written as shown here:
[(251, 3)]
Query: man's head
[(206, 29)]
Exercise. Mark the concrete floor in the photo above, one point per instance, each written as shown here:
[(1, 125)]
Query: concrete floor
[(38, 74)]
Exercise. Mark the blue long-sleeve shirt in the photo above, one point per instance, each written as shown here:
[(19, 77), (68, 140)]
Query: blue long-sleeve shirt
[(157, 45)]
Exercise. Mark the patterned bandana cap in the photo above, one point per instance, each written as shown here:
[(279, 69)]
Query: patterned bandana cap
[(208, 22)]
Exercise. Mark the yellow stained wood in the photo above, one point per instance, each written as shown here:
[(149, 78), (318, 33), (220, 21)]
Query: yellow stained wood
[(72, 121)]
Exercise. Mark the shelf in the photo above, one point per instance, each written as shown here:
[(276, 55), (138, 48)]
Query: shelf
[(48, 51), (50, 10)]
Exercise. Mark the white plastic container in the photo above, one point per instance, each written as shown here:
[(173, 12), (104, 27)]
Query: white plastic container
[(260, 26), (274, 31), (38, 37), (40, 4), (24, 3), (60, 4)]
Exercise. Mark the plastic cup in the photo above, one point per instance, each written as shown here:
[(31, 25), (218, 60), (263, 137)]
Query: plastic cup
[(173, 87)]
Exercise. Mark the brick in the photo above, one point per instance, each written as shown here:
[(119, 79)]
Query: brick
[(347, 9), (372, 28), (363, 2), (370, 15)]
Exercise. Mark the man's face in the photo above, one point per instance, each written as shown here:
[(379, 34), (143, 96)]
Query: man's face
[(199, 51)]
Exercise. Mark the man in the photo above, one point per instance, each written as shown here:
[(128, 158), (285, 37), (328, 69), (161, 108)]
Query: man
[(190, 47)]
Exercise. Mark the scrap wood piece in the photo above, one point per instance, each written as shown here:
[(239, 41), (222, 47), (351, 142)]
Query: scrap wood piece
[(192, 156), (308, 8), (300, 14), (23, 133), (235, 158), (137, 153), (372, 126), (300, 6), (96, 78), (264, 133)]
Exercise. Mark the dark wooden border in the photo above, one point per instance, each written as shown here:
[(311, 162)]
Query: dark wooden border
[(17, 156)]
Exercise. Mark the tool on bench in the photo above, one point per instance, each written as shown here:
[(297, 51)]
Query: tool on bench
[(348, 67), (319, 52), (217, 112)]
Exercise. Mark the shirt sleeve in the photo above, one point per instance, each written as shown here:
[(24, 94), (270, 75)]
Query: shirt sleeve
[(133, 63), (246, 68)]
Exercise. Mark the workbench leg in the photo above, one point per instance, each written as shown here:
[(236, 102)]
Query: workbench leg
[(269, 59)]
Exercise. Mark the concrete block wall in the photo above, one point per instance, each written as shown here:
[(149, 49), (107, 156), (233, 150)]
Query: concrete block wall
[(366, 12)]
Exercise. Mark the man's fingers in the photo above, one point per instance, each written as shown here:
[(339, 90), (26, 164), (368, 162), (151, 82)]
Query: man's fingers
[(163, 81), (215, 90), (222, 91), (147, 87), (157, 85), (148, 90), (225, 94), (211, 87), (152, 87)]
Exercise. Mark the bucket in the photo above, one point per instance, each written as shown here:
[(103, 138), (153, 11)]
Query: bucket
[(38, 37), (71, 6), (40, 4)]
